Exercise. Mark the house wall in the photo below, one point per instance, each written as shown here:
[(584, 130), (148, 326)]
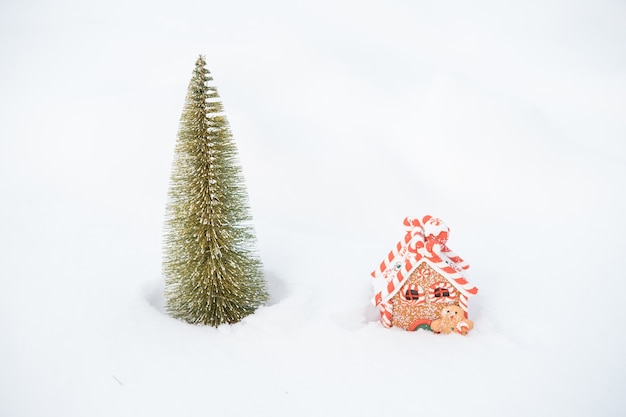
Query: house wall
[(405, 313)]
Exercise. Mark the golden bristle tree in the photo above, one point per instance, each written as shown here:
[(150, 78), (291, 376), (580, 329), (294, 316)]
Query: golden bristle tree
[(212, 273)]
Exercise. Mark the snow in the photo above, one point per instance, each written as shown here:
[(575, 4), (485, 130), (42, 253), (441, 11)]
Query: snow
[(504, 120)]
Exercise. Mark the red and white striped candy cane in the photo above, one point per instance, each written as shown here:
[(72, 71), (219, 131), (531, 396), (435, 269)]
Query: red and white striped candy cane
[(465, 288), (394, 281), (386, 313), (462, 328), (414, 233), (458, 261), (463, 304)]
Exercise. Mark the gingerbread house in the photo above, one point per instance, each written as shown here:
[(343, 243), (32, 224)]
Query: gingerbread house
[(421, 282)]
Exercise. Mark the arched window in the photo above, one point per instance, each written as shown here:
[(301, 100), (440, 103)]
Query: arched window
[(412, 294), (441, 292)]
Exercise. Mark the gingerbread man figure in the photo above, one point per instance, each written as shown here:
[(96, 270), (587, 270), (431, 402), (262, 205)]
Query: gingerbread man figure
[(452, 319)]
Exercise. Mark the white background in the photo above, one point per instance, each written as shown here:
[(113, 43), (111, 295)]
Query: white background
[(504, 119)]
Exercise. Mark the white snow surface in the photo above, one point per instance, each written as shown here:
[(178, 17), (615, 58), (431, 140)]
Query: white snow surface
[(504, 119)]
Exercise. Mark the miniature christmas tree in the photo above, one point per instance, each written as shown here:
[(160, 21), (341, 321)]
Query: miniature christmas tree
[(212, 275)]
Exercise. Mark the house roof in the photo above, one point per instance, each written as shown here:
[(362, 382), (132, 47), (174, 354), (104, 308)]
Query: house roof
[(424, 241)]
